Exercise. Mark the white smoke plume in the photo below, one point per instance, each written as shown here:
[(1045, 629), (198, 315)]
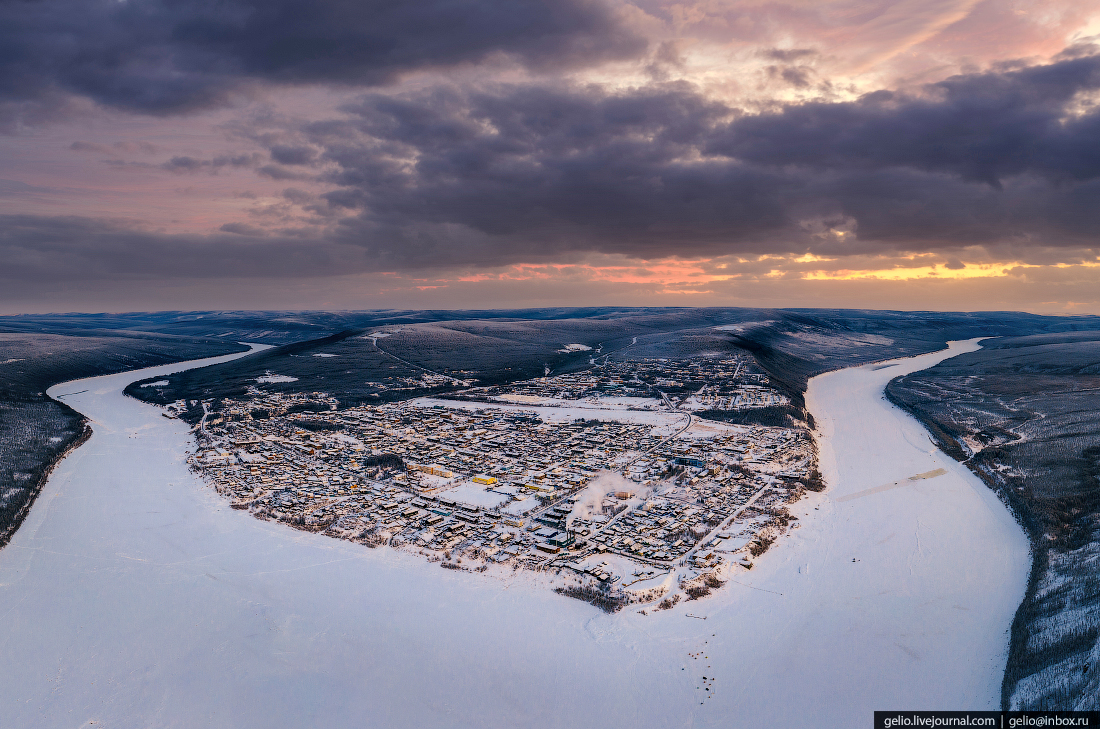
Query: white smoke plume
[(590, 499)]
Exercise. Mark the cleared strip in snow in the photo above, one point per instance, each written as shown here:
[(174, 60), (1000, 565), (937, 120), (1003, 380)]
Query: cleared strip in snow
[(894, 485), (134, 596)]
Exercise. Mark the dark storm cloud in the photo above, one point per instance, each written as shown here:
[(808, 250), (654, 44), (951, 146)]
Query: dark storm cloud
[(534, 171), (73, 248), (190, 165), (290, 155), (1008, 160), (1005, 158), (168, 56), (980, 127)]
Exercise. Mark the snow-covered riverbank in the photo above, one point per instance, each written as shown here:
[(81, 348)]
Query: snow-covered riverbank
[(133, 596)]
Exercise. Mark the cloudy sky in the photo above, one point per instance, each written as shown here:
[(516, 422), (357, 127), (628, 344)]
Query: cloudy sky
[(916, 154)]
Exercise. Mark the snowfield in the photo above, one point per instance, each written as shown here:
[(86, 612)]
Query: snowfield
[(566, 413), (133, 596), (272, 379)]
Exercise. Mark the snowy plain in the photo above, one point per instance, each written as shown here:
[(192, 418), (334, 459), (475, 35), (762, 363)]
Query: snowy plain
[(567, 412), (133, 596)]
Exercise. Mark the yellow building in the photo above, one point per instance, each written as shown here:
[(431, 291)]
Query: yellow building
[(485, 480)]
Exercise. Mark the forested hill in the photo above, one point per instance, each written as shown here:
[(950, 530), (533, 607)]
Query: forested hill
[(355, 362)]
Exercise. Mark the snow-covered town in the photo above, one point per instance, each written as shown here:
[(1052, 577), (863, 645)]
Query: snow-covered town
[(630, 498)]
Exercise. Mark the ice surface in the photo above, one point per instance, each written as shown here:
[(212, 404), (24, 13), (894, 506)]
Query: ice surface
[(133, 596)]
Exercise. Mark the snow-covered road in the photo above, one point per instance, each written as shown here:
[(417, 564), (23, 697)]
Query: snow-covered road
[(132, 596)]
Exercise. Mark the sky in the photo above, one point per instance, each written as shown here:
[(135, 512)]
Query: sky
[(362, 154)]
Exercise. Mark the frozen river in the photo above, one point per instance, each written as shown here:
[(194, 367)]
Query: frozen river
[(132, 596)]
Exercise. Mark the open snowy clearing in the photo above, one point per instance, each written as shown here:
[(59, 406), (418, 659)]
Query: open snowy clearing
[(601, 403), (270, 378), (133, 596), (563, 414), (473, 494)]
